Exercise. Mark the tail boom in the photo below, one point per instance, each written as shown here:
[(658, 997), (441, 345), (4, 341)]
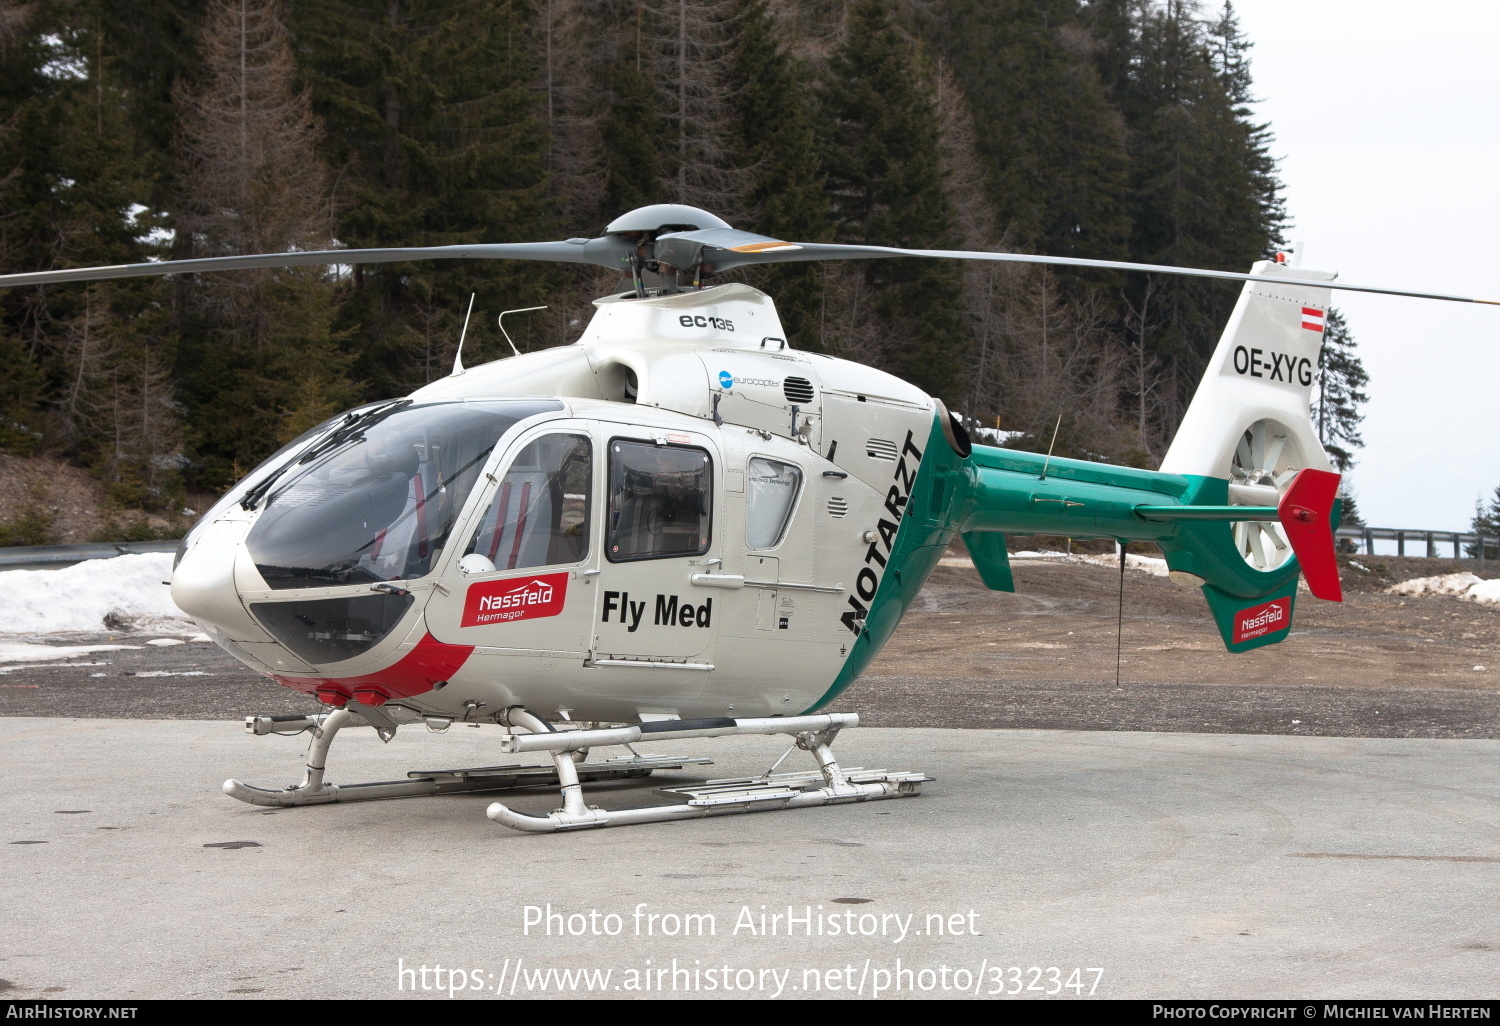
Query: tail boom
[(1186, 516)]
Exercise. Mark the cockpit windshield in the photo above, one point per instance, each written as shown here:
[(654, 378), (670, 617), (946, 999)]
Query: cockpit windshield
[(376, 500)]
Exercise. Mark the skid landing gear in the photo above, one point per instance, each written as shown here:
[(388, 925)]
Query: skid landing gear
[(829, 784), (767, 792), (313, 790)]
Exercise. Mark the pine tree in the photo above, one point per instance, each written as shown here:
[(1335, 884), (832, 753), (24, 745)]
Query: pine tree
[(774, 138), (694, 59), (1486, 523), (432, 123), (1053, 147), (570, 113), (72, 197), (266, 360), (1339, 393), (633, 139), (883, 164), (1350, 516), (1203, 187)]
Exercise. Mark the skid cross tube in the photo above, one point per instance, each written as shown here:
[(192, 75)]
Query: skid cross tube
[(667, 730)]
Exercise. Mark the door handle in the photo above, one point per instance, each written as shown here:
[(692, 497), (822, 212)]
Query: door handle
[(732, 581)]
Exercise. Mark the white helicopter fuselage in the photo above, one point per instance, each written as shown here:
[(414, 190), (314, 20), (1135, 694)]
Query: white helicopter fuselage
[(674, 527)]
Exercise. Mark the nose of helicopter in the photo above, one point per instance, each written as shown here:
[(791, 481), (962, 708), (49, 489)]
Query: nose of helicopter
[(204, 586)]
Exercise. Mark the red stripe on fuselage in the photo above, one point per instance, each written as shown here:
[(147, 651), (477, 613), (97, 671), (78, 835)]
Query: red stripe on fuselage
[(429, 662)]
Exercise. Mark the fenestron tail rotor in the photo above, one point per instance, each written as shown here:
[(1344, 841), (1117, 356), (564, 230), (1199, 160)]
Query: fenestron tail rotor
[(666, 237)]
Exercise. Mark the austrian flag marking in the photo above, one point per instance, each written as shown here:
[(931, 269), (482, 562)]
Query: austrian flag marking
[(518, 598), (1312, 319)]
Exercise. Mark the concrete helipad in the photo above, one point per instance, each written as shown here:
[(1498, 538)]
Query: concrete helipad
[(1160, 865)]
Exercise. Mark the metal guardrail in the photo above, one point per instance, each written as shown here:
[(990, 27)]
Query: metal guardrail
[(1457, 540), (16, 556)]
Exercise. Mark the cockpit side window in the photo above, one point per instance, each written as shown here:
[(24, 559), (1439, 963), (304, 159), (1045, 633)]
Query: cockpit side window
[(539, 515), (660, 501), (771, 488)]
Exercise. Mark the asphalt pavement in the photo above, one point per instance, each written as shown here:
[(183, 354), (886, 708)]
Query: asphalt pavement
[(1154, 864)]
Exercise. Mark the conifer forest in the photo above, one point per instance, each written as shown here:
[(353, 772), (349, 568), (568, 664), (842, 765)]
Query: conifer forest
[(170, 129)]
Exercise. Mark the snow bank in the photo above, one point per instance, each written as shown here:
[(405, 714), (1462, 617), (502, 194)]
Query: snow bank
[(127, 590), (23, 653), (1446, 584), (1460, 585), (1487, 592)]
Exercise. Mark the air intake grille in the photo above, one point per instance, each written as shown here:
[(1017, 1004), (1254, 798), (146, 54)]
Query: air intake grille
[(838, 507), (798, 390), (880, 449)]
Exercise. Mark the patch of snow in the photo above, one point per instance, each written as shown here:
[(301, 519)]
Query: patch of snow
[(1445, 584), (77, 599), (1460, 585), (1487, 592), (1149, 564), (166, 642), (24, 653), (174, 673), (994, 436), (1153, 565)]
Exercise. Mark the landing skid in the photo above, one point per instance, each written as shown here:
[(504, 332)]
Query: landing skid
[(767, 792), (313, 790), (827, 785)]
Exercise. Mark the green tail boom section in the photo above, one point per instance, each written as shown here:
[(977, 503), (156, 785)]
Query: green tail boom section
[(997, 491)]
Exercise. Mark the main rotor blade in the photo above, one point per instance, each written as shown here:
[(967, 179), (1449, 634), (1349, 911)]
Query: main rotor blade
[(725, 259), (611, 252), (722, 250)]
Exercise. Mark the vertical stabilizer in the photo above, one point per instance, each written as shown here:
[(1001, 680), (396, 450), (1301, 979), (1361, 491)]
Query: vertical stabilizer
[(1261, 373)]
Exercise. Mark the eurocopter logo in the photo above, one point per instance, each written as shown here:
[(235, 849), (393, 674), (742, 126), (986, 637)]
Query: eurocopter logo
[(526, 598), (1258, 621), (728, 381)]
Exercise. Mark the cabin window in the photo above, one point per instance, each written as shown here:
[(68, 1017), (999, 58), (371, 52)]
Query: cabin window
[(539, 514), (770, 494), (660, 501)]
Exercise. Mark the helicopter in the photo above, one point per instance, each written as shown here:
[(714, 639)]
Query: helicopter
[(680, 526)]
